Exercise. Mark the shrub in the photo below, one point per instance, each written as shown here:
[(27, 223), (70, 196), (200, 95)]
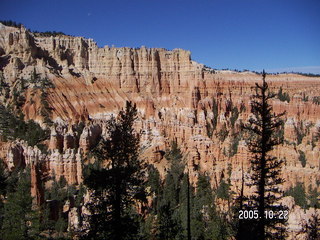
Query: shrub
[(234, 116), (48, 33), (215, 113), (302, 158), (305, 98), (313, 197), (11, 23), (300, 131), (209, 129), (298, 192), (223, 191), (223, 133), (282, 96), (233, 149), (14, 127), (316, 100)]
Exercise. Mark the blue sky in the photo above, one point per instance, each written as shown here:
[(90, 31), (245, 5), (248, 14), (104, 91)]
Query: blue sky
[(276, 35)]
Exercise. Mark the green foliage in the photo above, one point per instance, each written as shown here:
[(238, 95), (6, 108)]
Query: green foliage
[(168, 211), (175, 200), (78, 128), (148, 229), (266, 169), (3, 186), (53, 220), (11, 23), (298, 192), (169, 225), (279, 134), (316, 100), (14, 127), (3, 177), (234, 115), (46, 110), (58, 190), (242, 107), (78, 202), (223, 133), (207, 223), (44, 84), (223, 191), (12, 124), (174, 154), (300, 131), (311, 228), (308, 74), (60, 227), (203, 210), (215, 113), (33, 133), (233, 149), (305, 98), (302, 158), (154, 182), (211, 124), (48, 33), (313, 195), (117, 180), (20, 220), (18, 98), (209, 128), (283, 96), (4, 87), (315, 138), (12, 181), (214, 120), (6, 125)]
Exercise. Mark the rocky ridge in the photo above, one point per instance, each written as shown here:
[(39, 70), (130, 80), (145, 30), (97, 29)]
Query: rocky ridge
[(177, 98)]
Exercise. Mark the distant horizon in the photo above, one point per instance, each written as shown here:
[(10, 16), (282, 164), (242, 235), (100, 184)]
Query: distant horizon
[(275, 36)]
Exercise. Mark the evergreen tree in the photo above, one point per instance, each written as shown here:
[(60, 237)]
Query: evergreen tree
[(21, 221), (203, 211), (172, 204), (4, 88), (116, 180), (14, 127), (53, 220), (266, 169), (3, 178), (299, 195), (311, 229), (182, 211), (207, 222), (6, 123), (3, 186)]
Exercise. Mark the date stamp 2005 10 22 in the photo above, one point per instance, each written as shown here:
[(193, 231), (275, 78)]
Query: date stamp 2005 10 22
[(268, 214)]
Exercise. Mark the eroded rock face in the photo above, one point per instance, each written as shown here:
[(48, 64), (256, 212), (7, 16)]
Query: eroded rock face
[(177, 99)]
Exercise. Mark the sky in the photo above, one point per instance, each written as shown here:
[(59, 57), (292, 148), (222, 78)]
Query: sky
[(275, 35)]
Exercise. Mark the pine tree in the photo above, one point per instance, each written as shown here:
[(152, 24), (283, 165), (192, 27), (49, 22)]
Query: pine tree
[(3, 178), (116, 180), (266, 169), (172, 209), (311, 229), (6, 123), (204, 211), (3, 186), (21, 221)]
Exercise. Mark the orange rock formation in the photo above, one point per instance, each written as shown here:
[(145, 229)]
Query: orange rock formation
[(174, 96)]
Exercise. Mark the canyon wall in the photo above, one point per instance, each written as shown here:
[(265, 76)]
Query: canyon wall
[(177, 99)]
